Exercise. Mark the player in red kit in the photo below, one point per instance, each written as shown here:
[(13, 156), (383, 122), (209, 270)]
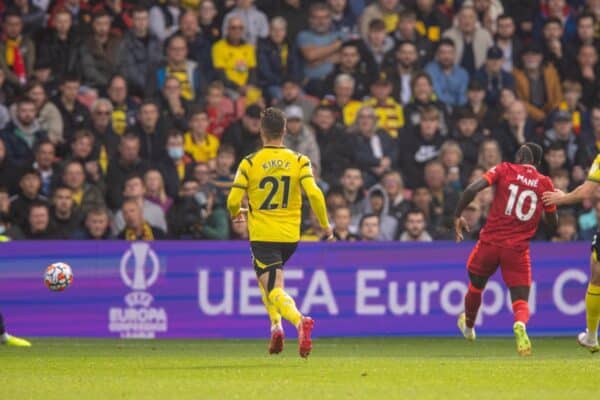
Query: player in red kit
[(504, 240)]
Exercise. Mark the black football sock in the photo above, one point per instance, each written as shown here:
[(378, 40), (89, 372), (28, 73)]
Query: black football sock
[(2, 329)]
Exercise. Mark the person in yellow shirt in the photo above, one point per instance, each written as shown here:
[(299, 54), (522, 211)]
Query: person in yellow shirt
[(273, 179), (390, 116), (198, 142), (234, 60)]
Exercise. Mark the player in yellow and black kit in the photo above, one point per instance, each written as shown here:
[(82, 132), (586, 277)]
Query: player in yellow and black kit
[(589, 338), (273, 179)]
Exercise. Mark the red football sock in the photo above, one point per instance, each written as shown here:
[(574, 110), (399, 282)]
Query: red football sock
[(521, 311), (472, 303)]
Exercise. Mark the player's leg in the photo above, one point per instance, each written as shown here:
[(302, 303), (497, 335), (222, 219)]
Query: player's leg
[(9, 340), (516, 272), (589, 338), (482, 264)]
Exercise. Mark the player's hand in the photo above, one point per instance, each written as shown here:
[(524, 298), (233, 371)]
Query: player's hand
[(328, 234), (241, 217), (460, 224), (552, 198)]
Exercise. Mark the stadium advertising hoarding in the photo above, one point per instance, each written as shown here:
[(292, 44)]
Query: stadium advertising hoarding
[(208, 289)]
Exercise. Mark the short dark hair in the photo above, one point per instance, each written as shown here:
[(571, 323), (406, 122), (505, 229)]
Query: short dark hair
[(100, 14), (553, 20), (38, 145), (366, 217), (70, 78), (12, 12), (504, 16), (173, 133), (376, 25), (555, 146), (584, 15), (61, 187), (530, 153), (226, 148), (272, 122), (446, 42), (407, 13), (413, 211), (97, 211), (139, 9)]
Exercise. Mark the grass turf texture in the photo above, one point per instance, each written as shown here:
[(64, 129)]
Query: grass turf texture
[(369, 368)]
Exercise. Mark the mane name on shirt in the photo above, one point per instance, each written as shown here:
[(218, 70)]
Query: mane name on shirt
[(528, 181)]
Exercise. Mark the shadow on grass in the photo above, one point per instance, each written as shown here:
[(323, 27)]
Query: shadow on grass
[(224, 367)]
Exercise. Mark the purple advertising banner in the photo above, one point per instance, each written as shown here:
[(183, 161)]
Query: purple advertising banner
[(208, 289)]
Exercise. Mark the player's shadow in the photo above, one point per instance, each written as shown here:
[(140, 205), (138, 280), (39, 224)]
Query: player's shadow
[(217, 367)]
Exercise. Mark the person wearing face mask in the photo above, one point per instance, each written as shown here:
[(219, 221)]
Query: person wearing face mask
[(176, 165)]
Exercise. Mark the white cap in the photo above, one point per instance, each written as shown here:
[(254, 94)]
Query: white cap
[(294, 111)]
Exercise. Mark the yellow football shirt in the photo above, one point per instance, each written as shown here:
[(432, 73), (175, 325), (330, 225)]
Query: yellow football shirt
[(236, 61), (594, 174), (204, 151), (390, 116), (273, 179)]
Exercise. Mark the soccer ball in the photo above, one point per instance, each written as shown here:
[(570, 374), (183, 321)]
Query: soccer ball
[(58, 276)]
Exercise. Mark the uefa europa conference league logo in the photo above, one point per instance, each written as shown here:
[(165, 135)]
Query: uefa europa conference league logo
[(138, 319)]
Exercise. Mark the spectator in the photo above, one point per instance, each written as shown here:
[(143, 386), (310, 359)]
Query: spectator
[(244, 135), (352, 189), (472, 214), (208, 21), (335, 145), (178, 65), (60, 46), (29, 193), (234, 60), (126, 163), (292, 95), (389, 113), (22, 133), (369, 227), (586, 71), (151, 132), (449, 79), (351, 64), (562, 132), (555, 9), (199, 143), (254, 20), (515, 131), (296, 13), (376, 45), (319, 47), (405, 68), (85, 195), (537, 85), (106, 140), (386, 10), (431, 22), (471, 40), (124, 108), (508, 42), (198, 44), (39, 227), (586, 34), (17, 51), (555, 159), (135, 226), (469, 138), (342, 218), (346, 108), (175, 108), (393, 184), (407, 32), (342, 17), (379, 204), (155, 190), (552, 45), (135, 191), (572, 91), (273, 56), (175, 165), (44, 164), (223, 177), (48, 116), (239, 230), (99, 53), (419, 146), (490, 154), (75, 115), (423, 97), (415, 227), (444, 197), (451, 156), (8, 232), (487, 117), (300, 138), (219, 108), (487, 12), (164, 19), (493, 78), (590, 136), (96, 226), (8, 178), (63, 216), (139, 52), (82, 150), (33, 17), (566, 231), (374, 150)]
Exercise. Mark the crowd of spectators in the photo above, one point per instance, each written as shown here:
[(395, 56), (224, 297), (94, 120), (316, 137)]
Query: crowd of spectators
[(127, 119)]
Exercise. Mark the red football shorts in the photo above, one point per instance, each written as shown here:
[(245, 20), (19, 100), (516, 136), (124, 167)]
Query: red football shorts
[(515, 265)]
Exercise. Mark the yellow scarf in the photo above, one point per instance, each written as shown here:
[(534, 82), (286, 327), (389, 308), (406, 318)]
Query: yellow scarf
[(11, 47), (146, 234)]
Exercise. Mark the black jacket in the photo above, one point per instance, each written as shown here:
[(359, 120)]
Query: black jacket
[(73, 121), (152, 145), (337, 152), (414, 153), (61, 55), (507, 141), (243, 141), (116, 175)]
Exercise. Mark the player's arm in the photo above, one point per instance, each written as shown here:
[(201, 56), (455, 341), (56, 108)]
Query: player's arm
[(467, 197), (551, 219), (237, 192), (560, 198), (315, 198)]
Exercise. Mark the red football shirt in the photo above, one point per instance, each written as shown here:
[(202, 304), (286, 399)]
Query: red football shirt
[(517, 206)]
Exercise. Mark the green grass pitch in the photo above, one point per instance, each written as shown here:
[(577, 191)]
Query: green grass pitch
[(367, 368)]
